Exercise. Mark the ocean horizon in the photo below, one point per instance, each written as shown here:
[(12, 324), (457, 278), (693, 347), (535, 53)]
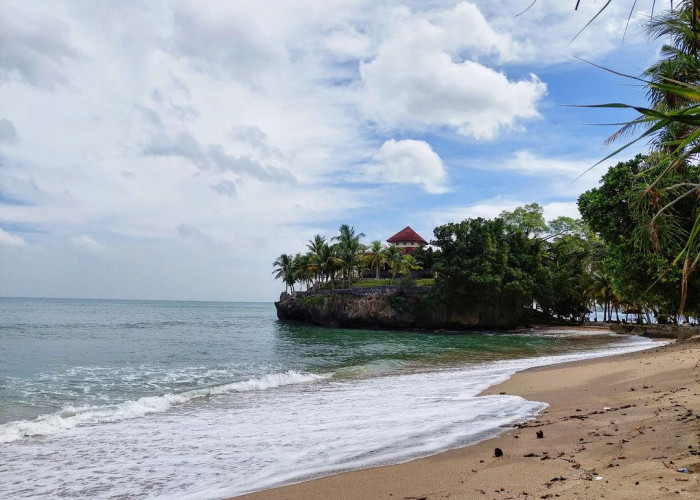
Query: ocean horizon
[(106, 398)]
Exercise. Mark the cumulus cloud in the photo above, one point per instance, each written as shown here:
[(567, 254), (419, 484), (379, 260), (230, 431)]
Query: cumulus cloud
[(408, 162), (426, 75), (11, 240)]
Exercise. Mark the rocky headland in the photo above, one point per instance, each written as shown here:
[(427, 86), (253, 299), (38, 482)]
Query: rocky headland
[(394, 308)]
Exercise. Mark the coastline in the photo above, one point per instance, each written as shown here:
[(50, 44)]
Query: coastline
[(630, 419)]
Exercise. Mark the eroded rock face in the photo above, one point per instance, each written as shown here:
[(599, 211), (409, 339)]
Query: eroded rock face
[(342, 310), (383, 308)]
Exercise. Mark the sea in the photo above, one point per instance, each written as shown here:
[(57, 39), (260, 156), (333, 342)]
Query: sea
[(206, 400)]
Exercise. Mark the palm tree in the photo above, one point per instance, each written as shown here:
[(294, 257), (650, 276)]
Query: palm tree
[(284, 270), (317, 248), (410, 264), (330, 262), (349, 248), (394, 258), (303, 268), (375, 256), (605, 293)]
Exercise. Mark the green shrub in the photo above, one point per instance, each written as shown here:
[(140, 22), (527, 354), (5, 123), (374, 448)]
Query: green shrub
[(313, 300)]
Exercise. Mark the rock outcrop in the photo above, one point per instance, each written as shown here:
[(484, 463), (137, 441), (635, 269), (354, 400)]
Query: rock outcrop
[(388, 308), (678, 332)]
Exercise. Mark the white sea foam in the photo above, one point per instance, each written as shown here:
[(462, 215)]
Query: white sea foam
[(71, 417), (231, 445)]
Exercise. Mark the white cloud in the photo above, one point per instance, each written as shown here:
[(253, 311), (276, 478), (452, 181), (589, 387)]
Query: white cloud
[(35, 51), (85, 242), (11, 240), (492, 207), (408, 162), (543, 34), (530, 163), (426, 74), (256, 118), (556, 209)]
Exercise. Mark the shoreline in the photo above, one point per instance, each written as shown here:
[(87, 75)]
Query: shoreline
[(630, 419)]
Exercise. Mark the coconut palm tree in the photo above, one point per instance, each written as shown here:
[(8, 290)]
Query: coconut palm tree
[(394, 258), (349, 249), (375, 256), (284, 270), (331, 263), (317, 247), (303, 268), (409, 264), (605, 293)]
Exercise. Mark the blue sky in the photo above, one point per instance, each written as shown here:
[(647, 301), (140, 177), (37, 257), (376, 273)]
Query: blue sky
[(172, 149)]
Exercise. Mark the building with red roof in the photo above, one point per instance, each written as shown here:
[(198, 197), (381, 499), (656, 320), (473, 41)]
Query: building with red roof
[(407, 240)]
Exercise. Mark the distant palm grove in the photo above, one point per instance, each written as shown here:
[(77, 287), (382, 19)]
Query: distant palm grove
[(336, 262)]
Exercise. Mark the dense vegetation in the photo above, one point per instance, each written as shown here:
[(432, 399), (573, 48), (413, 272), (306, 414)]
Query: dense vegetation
[(636, 250), (664, 206)]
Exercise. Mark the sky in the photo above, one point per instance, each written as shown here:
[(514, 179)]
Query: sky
[(173, 149)]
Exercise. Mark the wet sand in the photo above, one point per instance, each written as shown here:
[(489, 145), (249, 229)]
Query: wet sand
[(617, 428)]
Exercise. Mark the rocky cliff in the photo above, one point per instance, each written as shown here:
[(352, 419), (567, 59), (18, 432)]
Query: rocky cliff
[(387, 308)]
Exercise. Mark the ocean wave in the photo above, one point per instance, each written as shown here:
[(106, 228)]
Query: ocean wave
[(71, 417)]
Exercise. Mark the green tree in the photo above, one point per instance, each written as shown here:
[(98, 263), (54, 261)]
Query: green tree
[(330, 263), (641, 245), (528, 219), (426, 257), (375, 256), (563, 281), (349, 249), (486, 265), (304, 268), (285, 270), (394, 259), (318, 249)]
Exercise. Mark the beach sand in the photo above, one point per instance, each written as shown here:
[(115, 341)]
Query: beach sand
[(616, 428)]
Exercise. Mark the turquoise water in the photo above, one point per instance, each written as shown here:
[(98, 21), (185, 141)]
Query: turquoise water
[(119, 398)]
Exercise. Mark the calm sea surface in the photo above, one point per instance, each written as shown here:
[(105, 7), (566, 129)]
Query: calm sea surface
[(137, 399)]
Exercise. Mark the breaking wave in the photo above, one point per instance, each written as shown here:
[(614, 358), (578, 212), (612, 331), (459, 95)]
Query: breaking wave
[(71, 417)]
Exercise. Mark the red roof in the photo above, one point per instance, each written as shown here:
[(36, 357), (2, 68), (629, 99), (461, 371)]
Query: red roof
[(407, 235)]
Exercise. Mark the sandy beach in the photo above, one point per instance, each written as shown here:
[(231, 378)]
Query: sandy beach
[(623, 427)]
